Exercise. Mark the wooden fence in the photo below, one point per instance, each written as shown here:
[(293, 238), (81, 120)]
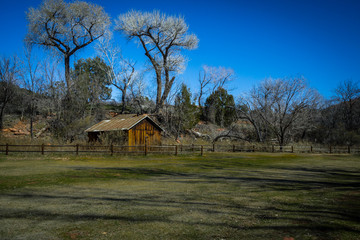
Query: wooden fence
[(173, 149)]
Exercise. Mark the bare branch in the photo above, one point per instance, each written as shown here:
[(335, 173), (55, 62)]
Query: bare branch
[(163, 38)]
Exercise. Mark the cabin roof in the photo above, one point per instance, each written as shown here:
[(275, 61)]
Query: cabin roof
[(121, 122)]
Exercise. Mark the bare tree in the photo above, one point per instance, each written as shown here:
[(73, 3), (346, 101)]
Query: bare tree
[(204, 82), (53, 86), (32, 81), (280, 105), (137, 90), (163, 38), (122, 71), (213, 78), (347, 95), (66, 27), (247, 109), (219, 76), (9, 76), (54, 91)]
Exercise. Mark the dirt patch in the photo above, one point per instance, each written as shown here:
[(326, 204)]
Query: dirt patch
[(19, 129)]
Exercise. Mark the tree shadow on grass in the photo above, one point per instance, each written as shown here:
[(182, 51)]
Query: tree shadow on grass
[(288, 181), (315, 218), (321, 219), (323, 228)]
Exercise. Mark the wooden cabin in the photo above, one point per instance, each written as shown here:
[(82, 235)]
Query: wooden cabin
[(137, 129)]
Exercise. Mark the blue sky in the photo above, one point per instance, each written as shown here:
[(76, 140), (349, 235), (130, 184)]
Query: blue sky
[(258, 39)]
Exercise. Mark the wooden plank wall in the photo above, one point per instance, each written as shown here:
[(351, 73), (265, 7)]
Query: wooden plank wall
[(144, 130)]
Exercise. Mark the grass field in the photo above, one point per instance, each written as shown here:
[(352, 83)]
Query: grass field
[(218, 196)]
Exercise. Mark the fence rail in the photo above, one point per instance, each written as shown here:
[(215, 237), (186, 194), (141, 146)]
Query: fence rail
[(173, 149)]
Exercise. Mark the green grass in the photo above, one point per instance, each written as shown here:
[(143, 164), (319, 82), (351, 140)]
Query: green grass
[(218, 196)]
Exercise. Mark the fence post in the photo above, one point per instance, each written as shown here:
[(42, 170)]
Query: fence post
[(7, 149), (330, 150), (273, 149), (349, 150), (77, 149), (202, 150), (111, 149), (233, 147), (311, 149), (176, 150), (253, 148), (42, 149), (292, 149), (181, 148), (213, 147)]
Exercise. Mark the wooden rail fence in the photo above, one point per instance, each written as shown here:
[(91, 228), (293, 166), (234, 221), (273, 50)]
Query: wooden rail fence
[(173, 149)]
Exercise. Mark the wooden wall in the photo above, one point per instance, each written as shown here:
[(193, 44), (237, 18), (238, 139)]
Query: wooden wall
[(144, 130)]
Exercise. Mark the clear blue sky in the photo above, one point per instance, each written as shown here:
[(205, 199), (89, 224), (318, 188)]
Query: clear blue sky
[(275, 38)]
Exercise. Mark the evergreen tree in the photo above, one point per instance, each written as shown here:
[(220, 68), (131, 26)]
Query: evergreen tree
[(220, 108), (186, 112), (92, 83)]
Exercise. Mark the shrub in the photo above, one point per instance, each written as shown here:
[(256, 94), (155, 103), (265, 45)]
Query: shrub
[(112, 137)]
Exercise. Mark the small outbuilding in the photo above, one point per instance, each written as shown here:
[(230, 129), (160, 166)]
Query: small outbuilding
[(136, 128)]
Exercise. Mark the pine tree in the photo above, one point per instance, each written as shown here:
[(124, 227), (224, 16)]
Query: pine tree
[(220, 108), (186, 112)]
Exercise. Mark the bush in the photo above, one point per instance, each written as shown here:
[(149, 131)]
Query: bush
[(113, 137)]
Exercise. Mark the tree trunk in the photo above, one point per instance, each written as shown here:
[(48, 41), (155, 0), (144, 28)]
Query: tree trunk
[(67, 73), (123, 99), (281, 142), (165, 94), (2, 115), (199, 99), (31, 126), (158, 91)]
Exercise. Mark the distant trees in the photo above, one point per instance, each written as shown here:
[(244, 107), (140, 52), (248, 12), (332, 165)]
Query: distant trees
[(9, 77), (66, 27), (347, 95), (339, 122), (280, 107), (163, 38)]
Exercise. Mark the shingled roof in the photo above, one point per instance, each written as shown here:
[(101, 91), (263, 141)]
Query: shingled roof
[(120, 122)]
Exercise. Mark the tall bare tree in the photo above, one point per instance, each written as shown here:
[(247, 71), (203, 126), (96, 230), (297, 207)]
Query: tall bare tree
[(9, 77), (163, 38), (66, 27)]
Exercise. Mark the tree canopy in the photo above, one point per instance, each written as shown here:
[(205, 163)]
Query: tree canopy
[(163, 38), (66, 27)]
